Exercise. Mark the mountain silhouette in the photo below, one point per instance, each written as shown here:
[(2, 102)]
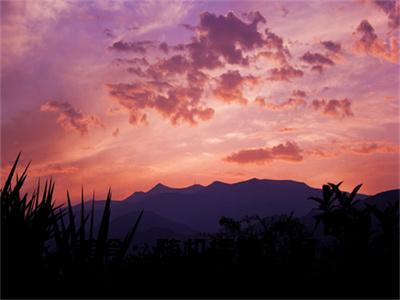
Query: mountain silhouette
[(181, 212), (200, 207)]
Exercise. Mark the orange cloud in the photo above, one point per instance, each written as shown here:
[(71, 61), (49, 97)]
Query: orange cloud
[(53, 169), (289, 151), (367, 148), (288, 104)]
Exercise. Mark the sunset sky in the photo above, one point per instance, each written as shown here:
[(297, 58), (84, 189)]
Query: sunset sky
[(131, 93)]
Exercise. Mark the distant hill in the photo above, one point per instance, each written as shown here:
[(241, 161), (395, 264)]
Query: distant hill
[(181, 212), (200, 207)]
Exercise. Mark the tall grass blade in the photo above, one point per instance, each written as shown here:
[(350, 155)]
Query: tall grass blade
[(128, 239), (103, 230), (91, 219)]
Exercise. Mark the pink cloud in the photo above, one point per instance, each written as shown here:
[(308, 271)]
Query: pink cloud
[(69, 118), (368, 42), (333, 107), (367, 148), (392, 9), (299, 93), (230, 86), (174, 103), (288, 104), (289, 151)]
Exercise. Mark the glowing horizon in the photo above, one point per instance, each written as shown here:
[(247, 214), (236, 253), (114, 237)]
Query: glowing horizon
[(129, 94)]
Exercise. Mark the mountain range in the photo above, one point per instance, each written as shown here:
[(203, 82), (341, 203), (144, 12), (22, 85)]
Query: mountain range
[(182, 212)]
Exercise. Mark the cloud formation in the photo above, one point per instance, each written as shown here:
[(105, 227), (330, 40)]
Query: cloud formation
[(178, 104), (230, 87), (333, 107), (69, 118), (288, 151), (220, 41), (135, 47), (285, 73), (316, 59), (367, 148), (332, 46), (392, 9), (225, 37), (299, 93), (285, 105), (368, 42)]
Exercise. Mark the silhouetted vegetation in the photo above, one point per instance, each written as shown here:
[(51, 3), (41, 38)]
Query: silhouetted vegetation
[(49, 252)]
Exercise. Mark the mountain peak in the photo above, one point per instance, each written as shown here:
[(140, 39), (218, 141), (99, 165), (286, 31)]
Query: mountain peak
[(159, 187)]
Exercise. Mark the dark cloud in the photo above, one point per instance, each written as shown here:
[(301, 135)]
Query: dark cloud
[(230, 87), (166, 67), (276, 49), (135, 47), (189, 27), (367, 34), (69, 118), (316, 59), (176, 64), (299, 93), (164, 47), (219, 40), (289, 151), (392, 9), (285, 73), (332, 46), (108, 33), (174, 103), (333, 107), (136, 71), (318, 68), (131, 61), (284, 11), (224, 37)]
